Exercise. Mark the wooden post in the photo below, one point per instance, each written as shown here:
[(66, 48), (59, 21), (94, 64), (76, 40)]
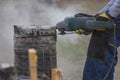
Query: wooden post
[(56, 74), (33, 64)]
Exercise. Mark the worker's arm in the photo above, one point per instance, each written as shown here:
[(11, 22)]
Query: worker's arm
[(107, 6), (113, 8)]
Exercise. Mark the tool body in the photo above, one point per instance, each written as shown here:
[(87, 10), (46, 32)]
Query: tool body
[(84, 23), (102, 31)]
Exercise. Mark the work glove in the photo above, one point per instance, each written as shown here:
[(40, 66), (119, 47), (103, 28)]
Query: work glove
[(106, 17), (81, 31), (100, 39)]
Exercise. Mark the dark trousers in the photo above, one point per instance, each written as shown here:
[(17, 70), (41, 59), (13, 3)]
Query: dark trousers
[(96, 69)]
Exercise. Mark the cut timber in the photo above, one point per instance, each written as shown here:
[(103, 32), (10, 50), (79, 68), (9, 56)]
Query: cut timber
[(33, 64), (56, 74)]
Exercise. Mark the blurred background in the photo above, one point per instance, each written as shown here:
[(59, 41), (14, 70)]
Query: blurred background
[(71, 49)]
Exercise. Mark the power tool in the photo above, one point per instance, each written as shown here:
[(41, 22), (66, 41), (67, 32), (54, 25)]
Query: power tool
[(102, 32), (87, 23)]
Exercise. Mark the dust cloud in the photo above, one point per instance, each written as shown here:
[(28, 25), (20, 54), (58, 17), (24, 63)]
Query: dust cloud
[(29, 12), (26, 12)]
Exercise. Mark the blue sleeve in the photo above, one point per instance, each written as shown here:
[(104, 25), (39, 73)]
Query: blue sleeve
[(107, 6), (114, 8)]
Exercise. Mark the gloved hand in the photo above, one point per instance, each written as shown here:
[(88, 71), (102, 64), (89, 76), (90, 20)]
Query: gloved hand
[(99, 17), (100, 39), (81, 31), (104, 17)]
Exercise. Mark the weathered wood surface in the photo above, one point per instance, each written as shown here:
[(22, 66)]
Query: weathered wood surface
[(43, 40), (8, 73)]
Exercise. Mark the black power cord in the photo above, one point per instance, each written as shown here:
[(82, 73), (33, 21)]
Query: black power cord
[(115, 50)]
